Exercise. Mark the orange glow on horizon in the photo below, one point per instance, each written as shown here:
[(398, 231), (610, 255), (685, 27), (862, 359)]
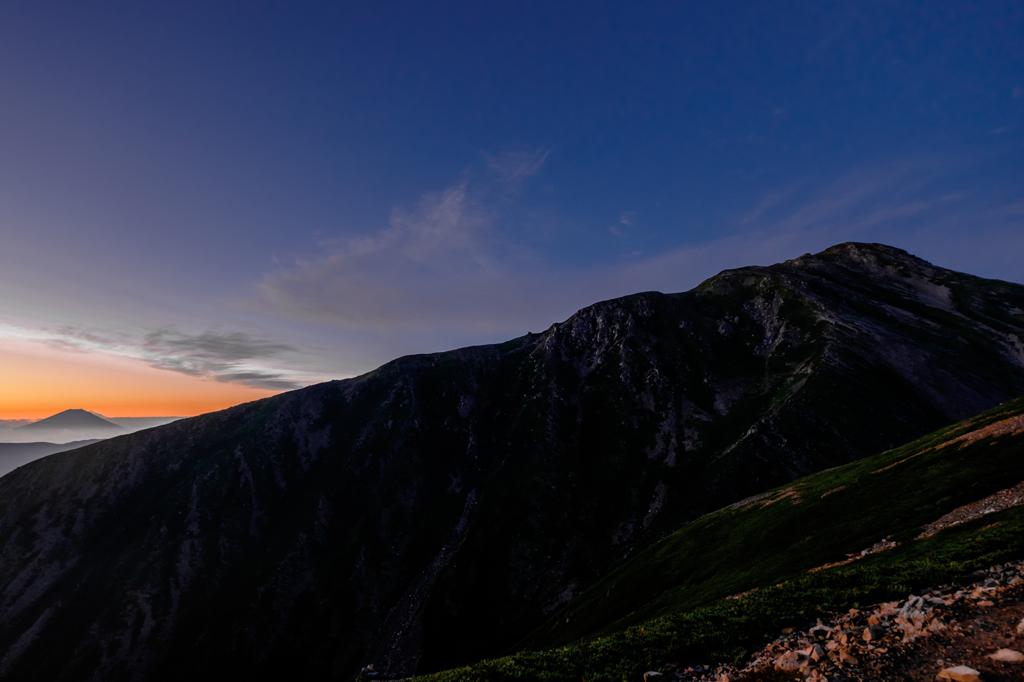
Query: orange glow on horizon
[(37, 381)]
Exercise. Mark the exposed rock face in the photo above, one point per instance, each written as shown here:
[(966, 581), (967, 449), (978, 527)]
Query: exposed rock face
[(431, 512)]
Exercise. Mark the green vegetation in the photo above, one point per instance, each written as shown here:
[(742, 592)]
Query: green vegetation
[(667, 604)]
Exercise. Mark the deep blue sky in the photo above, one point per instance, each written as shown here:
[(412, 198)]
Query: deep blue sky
[(277, 192)]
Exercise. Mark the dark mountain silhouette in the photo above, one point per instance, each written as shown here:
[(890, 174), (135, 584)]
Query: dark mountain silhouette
[(436, 510), (76, 420), (14, 455)]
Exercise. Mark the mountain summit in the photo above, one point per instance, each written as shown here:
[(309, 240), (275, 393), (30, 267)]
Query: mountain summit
[(434, 511), (72, 420)]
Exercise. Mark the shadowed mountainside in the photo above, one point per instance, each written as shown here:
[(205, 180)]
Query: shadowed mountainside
[(720, 588), (436, 510)]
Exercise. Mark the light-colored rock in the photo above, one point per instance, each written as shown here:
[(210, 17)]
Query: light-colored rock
[(1020, 627), (986, 603), (960, 673), (819, 630), (791, 660), (1007, 656), (653, 676), (888, 608), (817, 653), (846, 657), (908, 627)]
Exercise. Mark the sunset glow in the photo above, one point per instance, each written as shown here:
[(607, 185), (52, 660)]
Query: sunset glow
[(37, 380)]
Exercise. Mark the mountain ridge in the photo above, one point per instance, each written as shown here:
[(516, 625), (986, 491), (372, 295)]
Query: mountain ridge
[(394, 513), (14, 455)]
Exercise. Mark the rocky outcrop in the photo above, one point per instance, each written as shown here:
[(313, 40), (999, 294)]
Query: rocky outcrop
[(431, 512), (933, 634)]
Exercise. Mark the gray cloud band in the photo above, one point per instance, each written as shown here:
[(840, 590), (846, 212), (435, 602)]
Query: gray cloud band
[(229, 357)]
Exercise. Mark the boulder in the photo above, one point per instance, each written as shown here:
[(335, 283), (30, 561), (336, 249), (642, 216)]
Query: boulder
[(653, 676), (790, 661), (960, 673), (1007, 656)]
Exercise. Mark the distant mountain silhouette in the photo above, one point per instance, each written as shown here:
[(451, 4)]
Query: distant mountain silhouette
[(72, 419)]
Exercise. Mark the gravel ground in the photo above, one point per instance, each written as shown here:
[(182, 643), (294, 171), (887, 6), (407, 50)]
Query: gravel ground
[(917, 638)]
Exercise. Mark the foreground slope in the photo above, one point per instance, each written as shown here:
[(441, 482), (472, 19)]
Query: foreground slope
[(945, 505), (437, 510)]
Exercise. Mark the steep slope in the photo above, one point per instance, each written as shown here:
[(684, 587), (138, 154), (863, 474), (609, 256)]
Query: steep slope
[(793, 529), (946, 504), (436, 510)]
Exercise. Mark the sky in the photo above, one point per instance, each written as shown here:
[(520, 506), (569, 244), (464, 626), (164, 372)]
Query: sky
[(205, 203)]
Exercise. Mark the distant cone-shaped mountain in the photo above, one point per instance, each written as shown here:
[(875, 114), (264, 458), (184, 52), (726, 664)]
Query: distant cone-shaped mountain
[(72, 420), (435, 511)]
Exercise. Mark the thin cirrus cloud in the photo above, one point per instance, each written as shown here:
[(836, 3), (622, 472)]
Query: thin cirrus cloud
[(439, 264), (513, 168), (935, 212), (433, 265), (229, 357), (443, 264)]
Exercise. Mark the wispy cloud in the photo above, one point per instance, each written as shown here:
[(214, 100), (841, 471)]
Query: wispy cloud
[(929, 208), (511, 169), (443, 267), (434, 265), (231, 357), (625, 221)]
